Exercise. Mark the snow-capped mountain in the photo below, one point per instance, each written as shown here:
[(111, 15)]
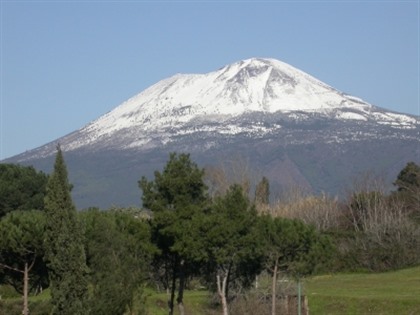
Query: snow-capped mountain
[(187, 103), (254, 104)]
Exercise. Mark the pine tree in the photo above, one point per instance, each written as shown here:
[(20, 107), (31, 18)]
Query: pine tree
[(178, 198), (291, 247), (64, 245), (21, 251)]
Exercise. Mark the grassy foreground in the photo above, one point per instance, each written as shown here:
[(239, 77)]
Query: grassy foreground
[(387, 293), (195, 302)]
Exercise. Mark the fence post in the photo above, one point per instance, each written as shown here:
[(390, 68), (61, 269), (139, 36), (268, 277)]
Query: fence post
[(299, 298)]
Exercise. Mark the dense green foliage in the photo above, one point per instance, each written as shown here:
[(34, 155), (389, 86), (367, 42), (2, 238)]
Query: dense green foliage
[(408, 189), (21, 188), (64, 245), (292, 247), (118, 254)]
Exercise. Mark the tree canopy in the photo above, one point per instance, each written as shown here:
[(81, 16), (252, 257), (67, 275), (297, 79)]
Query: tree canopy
[(118, 252), (409, 177), (21, 188)]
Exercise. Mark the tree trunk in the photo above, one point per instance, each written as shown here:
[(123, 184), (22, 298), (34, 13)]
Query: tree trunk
[(227, 282), (171, 301), (180, 297), (273, 288), (25, 289), (25, 273), (221, 290)]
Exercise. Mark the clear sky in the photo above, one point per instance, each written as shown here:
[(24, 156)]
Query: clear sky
[(66, 63)]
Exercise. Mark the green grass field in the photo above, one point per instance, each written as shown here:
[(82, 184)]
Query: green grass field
[(390, 293), (387, 293), (195, 302)]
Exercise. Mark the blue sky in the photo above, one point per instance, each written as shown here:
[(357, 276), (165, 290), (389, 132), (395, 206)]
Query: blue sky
[(65, 63)]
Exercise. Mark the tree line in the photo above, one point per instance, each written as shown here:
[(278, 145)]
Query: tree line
[(192, 227)]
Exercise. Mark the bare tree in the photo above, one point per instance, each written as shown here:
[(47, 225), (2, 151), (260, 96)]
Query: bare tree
[(262, 192), (386, 237), (236, 170), (321, 211)]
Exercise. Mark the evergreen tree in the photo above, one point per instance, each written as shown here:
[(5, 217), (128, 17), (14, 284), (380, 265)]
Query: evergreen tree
[(177, 197), (64, 245), (118, 254), (408, 183), (409, 178)]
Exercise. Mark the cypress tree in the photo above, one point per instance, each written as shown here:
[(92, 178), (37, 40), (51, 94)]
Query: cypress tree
[(64, 245)]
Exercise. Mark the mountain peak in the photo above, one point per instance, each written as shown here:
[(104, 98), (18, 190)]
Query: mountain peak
[(255, 67), (290, 126), (189, 103)]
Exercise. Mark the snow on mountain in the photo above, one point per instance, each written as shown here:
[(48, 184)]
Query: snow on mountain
[(290, 126), (265, 85), (188, 103)]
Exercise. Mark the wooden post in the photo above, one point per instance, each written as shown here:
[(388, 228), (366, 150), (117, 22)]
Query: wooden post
[(25, 289)]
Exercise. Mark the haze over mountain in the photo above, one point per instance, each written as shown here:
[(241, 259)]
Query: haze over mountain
[(286, 124)]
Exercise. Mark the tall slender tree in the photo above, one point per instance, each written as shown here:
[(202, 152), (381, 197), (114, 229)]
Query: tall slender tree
[(65, 252)]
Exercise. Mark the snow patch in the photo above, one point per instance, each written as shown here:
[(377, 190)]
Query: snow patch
[(351, 116)]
